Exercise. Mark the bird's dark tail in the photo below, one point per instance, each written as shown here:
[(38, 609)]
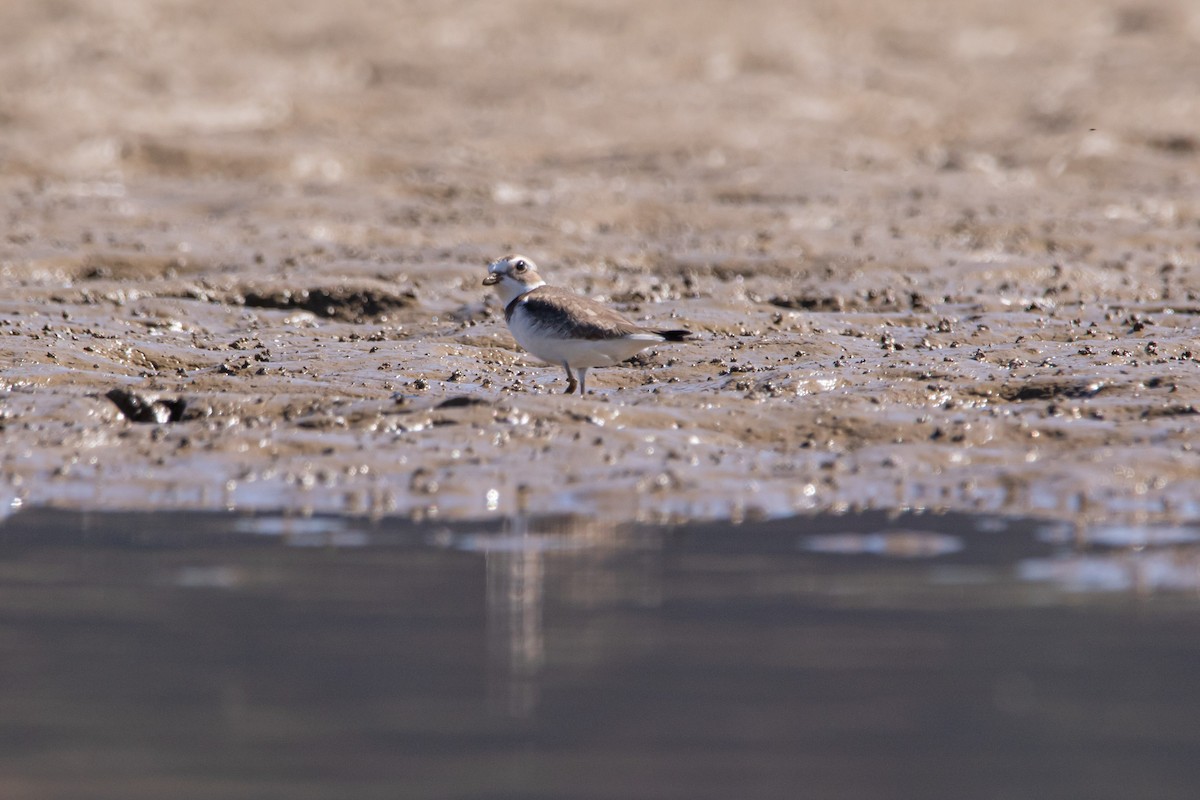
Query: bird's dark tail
[(678, 335)]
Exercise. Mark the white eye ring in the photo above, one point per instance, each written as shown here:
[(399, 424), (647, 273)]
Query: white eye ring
[(519, 266)]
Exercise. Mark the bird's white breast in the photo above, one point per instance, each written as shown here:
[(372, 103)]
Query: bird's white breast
[(550, 346)]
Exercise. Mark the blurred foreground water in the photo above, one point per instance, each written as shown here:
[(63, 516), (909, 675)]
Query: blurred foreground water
[(236, 656)]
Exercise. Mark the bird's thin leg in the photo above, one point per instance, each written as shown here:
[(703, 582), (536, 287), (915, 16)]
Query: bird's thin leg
[(582, 380), (571, 382)]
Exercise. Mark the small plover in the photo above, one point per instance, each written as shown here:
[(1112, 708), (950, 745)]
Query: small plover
[(561, 327)]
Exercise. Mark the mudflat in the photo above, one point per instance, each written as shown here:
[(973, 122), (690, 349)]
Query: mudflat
[(936, 254)]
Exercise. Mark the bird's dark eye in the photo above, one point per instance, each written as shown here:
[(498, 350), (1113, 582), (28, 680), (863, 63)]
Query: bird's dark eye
[(520, 266)]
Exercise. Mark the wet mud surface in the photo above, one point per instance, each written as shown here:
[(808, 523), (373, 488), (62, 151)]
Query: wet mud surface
[(937, 255)]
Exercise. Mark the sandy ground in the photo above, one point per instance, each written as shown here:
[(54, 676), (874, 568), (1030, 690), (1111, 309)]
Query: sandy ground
[(938, 254)]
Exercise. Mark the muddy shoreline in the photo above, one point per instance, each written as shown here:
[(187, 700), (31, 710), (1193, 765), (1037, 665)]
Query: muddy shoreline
[(942, 260)]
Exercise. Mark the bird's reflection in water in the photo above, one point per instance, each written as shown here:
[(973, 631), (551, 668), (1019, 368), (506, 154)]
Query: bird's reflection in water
[(515, 642), (565, 562)]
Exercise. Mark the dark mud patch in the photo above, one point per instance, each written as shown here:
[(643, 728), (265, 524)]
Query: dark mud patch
[(462, 401), (345, 303), (1171, 411), (866, 300), (1053, 388), (1180, 144)]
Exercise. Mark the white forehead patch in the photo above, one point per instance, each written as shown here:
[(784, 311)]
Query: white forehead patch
[(507, 264)]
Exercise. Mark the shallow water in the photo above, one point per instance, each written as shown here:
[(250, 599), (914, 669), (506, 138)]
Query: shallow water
[(933, 260), (204, 655)]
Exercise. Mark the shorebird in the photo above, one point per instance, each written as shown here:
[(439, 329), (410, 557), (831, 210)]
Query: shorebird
[(561, 327)]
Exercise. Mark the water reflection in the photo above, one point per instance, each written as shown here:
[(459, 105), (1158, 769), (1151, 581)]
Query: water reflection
[(518, 560), (897, 544), (1139, 572), (515, 581), (211, 655)]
